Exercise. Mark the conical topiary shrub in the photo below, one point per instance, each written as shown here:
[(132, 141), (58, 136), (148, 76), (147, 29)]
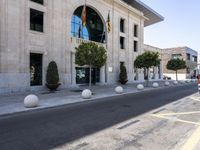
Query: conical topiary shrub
[(52, 76), (123, 74)]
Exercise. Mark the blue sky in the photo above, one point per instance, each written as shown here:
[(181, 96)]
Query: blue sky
[(181, 26)]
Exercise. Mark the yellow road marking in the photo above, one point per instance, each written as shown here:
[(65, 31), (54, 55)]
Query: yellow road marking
[(193, 140)]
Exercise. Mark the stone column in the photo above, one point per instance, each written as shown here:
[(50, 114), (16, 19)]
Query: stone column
[(73, 69), (156, 73), (140, 73), (161, 70), (102, 75)]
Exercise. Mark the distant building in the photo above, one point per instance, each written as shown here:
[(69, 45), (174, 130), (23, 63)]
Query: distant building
[(155, 73), (198, 65), (185, 53)]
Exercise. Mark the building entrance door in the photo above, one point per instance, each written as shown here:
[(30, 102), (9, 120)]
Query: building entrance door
[(35, 69), (83, 75)]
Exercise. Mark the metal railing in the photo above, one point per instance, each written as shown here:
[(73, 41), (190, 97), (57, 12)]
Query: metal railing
[(77, 41)]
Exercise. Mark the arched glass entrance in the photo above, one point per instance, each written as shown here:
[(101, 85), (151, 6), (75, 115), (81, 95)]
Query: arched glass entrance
[(94, 29)]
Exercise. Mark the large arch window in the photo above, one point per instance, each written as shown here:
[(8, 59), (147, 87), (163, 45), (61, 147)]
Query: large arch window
[(94, 29), (77, 30)]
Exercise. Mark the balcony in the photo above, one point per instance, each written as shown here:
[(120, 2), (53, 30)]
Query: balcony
[(75, 42)]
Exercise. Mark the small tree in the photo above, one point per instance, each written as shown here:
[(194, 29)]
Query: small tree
[(90, 54), (123, 74), (175, 65), (52, 76), (147, 60)]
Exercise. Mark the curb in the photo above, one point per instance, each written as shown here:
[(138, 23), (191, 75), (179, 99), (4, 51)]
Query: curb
[(93, 99)]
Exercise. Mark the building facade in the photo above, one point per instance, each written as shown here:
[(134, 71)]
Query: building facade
[(189, 55), (35, 32)]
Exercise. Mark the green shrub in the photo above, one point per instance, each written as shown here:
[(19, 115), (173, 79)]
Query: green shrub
[(123, 74), (52, 76)]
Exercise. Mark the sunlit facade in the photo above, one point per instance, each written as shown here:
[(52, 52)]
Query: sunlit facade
[(189, 55), (35, 32)]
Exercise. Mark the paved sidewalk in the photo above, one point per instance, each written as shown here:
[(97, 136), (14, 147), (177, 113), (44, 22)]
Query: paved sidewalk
[(13, 103)]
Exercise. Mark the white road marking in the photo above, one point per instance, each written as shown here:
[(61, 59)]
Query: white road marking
[(176, 119), (182, 113)]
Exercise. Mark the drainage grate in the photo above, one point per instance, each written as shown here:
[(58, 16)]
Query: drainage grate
[(159, 110), (82, 145), (128, 124), (46, 93), (176, 103)]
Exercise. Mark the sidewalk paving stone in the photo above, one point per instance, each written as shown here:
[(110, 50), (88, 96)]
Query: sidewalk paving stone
[(13, 103)]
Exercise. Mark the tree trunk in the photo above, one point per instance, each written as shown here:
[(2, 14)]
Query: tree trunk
[(90, 79), (94, 76), (147, 77), (176, 75)]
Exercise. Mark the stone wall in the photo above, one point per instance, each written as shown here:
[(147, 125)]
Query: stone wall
[(167, 55)]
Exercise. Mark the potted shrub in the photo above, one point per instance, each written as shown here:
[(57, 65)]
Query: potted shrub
[(52, 76), (123, 74)]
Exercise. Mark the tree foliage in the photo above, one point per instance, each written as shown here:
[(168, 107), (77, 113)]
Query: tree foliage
[(52, 76), (90, 54), (147, 60), (175, 65)]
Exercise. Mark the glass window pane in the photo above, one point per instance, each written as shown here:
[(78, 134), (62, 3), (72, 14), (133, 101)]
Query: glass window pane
[(94, 28), (38, 1), (36, 20)]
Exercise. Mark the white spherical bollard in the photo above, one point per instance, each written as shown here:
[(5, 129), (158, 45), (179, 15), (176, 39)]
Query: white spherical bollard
[(187, 81), (31, 101), (86, 94), (167, 83), (119, 90), (175, 82), (182, 82), (140, 87), (155, 85)]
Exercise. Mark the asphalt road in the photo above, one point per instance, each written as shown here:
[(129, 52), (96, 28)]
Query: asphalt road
[(50, 128)]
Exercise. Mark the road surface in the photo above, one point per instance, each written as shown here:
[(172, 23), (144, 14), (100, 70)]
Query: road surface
[(57, 127)]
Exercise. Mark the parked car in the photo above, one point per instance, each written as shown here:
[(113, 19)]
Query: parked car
[(166, 78)]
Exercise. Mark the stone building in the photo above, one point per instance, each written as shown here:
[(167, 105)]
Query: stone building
[(35, 32), (185, 53), (156, 73)]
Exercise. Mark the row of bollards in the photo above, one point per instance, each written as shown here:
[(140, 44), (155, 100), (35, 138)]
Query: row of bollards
[(31, 101)]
